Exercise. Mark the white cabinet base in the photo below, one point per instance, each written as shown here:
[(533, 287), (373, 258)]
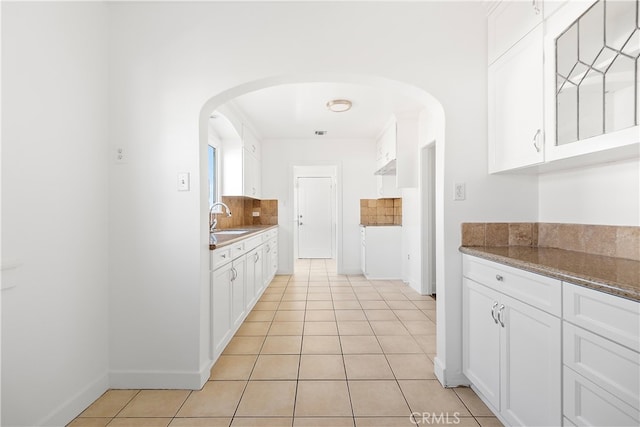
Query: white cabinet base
[(381, 257)]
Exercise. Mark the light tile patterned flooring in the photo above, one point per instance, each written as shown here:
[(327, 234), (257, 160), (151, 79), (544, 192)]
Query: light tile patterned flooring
[(318, 349)]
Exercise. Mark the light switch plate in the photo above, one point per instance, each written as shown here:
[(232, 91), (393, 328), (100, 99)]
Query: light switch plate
[(183, 181), (459, 191)]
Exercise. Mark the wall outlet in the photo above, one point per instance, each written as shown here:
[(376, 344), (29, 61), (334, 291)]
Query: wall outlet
[(459, 191)]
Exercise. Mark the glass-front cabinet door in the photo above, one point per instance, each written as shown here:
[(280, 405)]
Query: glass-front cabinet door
[(592, 80)]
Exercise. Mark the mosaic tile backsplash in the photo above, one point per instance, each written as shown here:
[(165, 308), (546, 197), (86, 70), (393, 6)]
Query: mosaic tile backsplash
[(607, 240), (381, 211)]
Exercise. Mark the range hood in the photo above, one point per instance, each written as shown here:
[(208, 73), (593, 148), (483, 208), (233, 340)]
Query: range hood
[(388, 169)]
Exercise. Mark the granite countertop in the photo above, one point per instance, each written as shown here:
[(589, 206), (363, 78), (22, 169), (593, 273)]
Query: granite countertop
[(228, 239), (616, 276)]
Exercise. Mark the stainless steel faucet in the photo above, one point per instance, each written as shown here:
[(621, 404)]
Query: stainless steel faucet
[(214, 222)]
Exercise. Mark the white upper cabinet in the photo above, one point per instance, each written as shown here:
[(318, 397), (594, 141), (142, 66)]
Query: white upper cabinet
[(591, 82), (250, 142), (386, 150), (242, 171), (516, 114), (563, 83), (509, 22)]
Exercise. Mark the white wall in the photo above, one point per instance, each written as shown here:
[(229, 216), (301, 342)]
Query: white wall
[(602, 194), (355, 160), (54, 210), (168, 59)]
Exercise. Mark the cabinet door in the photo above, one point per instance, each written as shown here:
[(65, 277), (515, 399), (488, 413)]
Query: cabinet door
[(237, 291), (516, 112), (251, 175), (274, 259), (250, 141), (531, 365), (509, 22), (481, 339), (254, 277), (266, 264), (250, 280), (220, 308)]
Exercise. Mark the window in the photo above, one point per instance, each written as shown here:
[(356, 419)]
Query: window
[(212, 162)]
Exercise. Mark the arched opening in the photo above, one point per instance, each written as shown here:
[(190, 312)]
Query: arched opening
[(431, 133)]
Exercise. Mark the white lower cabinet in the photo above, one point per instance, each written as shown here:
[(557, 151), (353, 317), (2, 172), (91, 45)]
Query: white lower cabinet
[(239, 275), (270, 259), (380, 257), (512, 356), (511, 349), (220, 308), (541, 352), (254, 278), (238, 284), (601, 372)]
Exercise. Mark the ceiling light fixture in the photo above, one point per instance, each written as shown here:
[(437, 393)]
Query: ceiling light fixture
[(339, 105)]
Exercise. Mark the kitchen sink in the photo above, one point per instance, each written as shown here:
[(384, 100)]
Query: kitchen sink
[(228, 232)]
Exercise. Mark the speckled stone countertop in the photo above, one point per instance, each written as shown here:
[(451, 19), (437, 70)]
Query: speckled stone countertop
[(227, 239), (616, 276)]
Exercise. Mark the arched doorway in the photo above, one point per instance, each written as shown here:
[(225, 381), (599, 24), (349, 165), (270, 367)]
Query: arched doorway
[(432, 133), (430, 103)]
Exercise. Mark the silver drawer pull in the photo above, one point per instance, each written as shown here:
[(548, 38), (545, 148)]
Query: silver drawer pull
[(223, 255), (500, 315), (499, 278), (493, 311)]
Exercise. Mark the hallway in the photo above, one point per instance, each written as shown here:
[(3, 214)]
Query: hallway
[(318, 349)]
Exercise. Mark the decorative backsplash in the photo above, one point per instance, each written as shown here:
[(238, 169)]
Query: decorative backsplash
[(242, 209), (381, 211), (607, 240)]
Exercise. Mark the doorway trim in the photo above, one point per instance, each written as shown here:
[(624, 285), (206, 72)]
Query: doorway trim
[(427, 226)]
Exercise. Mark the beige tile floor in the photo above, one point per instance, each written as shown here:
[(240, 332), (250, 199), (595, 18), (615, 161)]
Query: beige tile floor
[(319, 349)]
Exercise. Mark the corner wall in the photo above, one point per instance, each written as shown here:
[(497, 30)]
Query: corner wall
[(54, 210)]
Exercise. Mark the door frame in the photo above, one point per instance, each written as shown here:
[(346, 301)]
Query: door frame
[(427, 226), (319, 171)]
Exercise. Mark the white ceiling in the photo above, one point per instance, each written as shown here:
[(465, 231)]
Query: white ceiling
[(298, 110)]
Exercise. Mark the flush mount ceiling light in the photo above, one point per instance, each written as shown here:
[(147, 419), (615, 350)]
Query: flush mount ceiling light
[(339, 105)]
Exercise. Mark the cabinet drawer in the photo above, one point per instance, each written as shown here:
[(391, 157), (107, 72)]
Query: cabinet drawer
[(586, 404), (253, 243), (237, 249), (615, 318), (220, 257), (533, 289), (614, 367)]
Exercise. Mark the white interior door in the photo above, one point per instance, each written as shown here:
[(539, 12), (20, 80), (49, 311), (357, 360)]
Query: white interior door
[(315, 219)]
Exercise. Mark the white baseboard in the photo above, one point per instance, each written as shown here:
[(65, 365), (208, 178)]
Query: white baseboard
[(70, 409), (180, 380), (446, 378)]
